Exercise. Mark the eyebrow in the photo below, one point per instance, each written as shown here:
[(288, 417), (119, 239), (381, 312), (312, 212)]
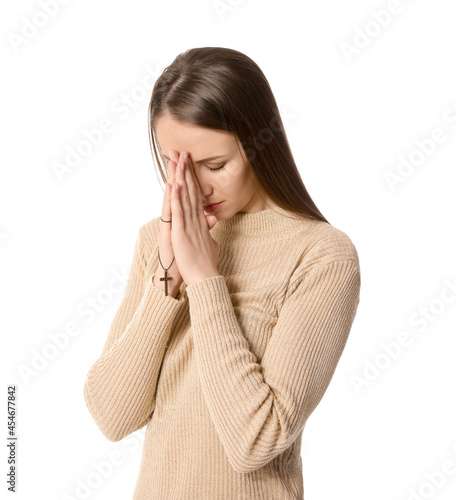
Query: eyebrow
[(204, 159)]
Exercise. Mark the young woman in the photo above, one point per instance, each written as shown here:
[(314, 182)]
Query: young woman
[(235, 315)]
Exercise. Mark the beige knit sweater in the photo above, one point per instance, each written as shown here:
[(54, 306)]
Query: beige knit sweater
[(226, 375)]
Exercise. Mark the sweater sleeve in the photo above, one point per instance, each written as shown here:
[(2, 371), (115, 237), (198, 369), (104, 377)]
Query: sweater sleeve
[(258, 410), (119, 389)]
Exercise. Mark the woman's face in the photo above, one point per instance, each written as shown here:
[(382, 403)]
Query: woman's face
[(231, 184)]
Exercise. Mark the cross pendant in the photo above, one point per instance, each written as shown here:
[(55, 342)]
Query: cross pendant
[(166, 279)]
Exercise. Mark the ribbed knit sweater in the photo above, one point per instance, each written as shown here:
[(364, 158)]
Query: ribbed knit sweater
[(226, 374)]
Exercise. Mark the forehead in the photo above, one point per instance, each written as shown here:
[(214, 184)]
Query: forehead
[(200, 142)]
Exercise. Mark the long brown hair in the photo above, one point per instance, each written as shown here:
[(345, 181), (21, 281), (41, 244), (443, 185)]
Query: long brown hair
[(223, 89)]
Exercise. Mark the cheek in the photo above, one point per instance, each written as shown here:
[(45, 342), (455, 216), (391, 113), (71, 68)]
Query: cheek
[(227, 183), (233, 179)]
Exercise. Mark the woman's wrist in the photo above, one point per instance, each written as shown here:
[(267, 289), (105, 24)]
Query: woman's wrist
[(173, 288)]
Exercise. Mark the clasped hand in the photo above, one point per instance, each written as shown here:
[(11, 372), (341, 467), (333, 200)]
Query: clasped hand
[(195, 251)]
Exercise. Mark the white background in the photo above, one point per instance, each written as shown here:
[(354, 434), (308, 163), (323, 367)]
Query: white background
[(348, 120)]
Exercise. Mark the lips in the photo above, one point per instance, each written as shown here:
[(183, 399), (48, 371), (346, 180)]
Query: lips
[(213, 207), (210, 204)]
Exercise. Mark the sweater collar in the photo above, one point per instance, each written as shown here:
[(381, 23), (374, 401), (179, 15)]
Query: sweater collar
[(260, 223)]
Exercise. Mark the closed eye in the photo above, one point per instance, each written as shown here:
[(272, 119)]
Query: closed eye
[(211, 169), (216, 169)]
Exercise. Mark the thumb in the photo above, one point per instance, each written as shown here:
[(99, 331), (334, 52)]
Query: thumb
[(211, 221)]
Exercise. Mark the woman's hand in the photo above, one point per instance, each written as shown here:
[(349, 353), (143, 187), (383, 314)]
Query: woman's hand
[(195, 250), (173, 278)]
